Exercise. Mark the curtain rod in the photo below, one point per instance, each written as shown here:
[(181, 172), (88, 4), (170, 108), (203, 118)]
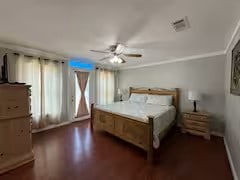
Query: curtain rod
[(105, 69), (29, 56)]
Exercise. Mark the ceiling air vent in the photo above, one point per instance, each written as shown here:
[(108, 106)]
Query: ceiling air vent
[(181, 25)]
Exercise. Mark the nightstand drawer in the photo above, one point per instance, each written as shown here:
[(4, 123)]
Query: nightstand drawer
[(196, 132), (196, 127), (195, 117), (195, 123)]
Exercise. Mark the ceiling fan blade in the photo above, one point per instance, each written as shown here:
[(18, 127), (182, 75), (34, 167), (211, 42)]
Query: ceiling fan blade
[(98, 51), (102, 59), (133, 55), (123, 60), (119, 48)]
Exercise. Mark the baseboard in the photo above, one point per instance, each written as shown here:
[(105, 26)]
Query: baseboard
[(59, 125), (230, 160), (214, 133), (51, 127), (81, 118)]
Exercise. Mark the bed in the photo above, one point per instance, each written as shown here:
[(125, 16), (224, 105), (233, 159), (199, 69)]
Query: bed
[(139, 123)]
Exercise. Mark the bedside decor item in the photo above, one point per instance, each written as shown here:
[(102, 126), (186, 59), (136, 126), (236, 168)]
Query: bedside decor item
[(196, 123), (119, 92), (194, 96), (235, 70)]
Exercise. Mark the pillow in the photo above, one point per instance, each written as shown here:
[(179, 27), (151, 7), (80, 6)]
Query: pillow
[(138, 97), (164, 100)]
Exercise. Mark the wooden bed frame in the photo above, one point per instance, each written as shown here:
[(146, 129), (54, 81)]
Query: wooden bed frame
[(130, 130)]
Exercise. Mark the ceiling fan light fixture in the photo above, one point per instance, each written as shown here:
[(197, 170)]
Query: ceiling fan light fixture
[(120, 60), (115, 53), (111, 60), (115, 59)]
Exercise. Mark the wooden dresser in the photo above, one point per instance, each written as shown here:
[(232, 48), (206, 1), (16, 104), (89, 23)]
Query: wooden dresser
[(15, 127), (196, 123)]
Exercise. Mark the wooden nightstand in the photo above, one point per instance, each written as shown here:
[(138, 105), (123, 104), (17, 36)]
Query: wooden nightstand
[(196, 123)]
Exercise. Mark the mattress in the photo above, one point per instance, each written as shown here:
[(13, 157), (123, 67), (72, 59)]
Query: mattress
[(163, 115)]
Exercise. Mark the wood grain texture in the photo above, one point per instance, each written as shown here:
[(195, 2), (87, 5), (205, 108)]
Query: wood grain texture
[(135, 132), (75, 152), (15, 127), (138, 133), (174, 93), (196, 123)]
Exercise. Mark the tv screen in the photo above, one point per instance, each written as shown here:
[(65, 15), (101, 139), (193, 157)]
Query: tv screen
[(5, 69)]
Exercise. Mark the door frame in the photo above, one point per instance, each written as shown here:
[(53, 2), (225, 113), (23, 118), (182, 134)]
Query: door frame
[(72, 95)]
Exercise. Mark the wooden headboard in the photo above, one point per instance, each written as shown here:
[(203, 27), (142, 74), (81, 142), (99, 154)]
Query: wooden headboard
[(158, 91)]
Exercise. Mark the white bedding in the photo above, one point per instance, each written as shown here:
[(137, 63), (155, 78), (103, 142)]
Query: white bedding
[(163, 115)]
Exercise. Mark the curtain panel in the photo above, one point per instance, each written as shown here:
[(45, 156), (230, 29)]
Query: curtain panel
[(82, 78), (48, 93), (105, 86)]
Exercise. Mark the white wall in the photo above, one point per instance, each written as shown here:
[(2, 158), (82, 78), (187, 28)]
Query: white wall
[(232, 134), (205, 75)]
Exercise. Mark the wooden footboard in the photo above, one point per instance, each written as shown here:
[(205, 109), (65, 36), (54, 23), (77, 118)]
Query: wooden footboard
[(130, 130), (138, 133)]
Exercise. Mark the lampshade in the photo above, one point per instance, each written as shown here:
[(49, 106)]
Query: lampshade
[(194, 96), (119, 91)]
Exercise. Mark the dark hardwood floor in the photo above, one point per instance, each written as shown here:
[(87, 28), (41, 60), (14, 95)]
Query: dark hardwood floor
[(74, 152)]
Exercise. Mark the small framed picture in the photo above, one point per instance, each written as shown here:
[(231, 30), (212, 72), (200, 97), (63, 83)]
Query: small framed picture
[(235, 70)]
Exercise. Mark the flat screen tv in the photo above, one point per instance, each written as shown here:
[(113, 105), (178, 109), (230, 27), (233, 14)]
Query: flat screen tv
[(5, 69)]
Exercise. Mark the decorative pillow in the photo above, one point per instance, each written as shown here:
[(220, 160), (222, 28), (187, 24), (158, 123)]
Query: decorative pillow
[(138, 97), (164, 100)]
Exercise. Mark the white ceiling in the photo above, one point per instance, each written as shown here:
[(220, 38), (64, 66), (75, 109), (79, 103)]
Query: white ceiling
[(73, 27)]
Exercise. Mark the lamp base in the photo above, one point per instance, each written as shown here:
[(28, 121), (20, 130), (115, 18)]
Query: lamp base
[(195, 106), (121, 98)]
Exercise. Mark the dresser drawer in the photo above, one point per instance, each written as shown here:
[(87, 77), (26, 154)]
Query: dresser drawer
[(7, 94), (195, 117), (15, 109)]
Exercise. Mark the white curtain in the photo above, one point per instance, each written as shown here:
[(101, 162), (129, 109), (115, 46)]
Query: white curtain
[(47, 92), (28, 71), (51, 92), (105, 86)]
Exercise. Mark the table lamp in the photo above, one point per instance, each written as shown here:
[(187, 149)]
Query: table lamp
[(194, 96), (119, 92)]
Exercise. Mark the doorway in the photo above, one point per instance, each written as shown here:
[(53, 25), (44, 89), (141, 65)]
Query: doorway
[(77, 95)]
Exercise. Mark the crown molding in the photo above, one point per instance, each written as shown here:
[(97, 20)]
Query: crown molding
[(236, 30), (189, 58), (217, 53)]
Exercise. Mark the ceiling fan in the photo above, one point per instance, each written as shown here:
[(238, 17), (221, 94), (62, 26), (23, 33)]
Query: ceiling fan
[(116, 53)]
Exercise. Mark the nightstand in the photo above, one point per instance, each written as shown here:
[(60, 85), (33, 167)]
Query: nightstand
[(196, 123)]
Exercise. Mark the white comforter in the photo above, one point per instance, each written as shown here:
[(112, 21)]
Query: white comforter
[(163, 115)]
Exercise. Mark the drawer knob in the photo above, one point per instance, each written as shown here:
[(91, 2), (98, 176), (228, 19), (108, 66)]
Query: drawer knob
[(16, 107), (9, 108), (1, 154)]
